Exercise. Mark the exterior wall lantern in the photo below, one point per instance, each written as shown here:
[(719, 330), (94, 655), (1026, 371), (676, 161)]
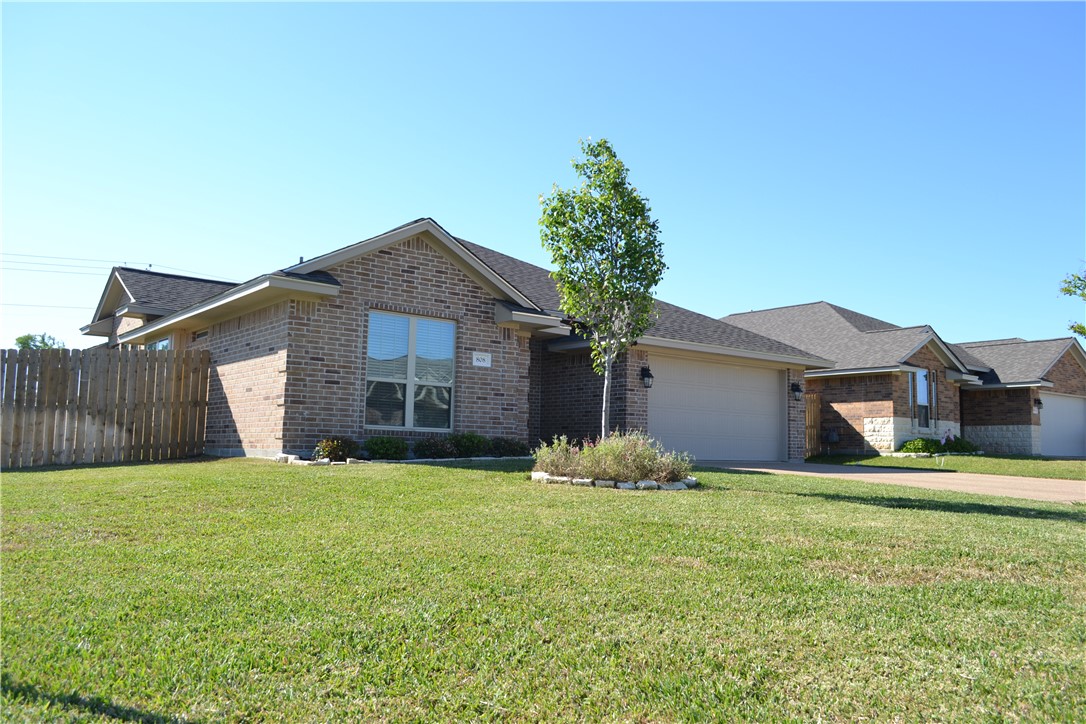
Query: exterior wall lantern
[(1038, 405), (797, 391), (646, 377)]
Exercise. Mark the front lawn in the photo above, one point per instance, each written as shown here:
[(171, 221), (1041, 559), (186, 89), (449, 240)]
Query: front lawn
[(240, 590), (1015, 465)]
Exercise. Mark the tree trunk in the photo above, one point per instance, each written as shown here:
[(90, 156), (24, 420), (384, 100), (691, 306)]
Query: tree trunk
[(606, 395)]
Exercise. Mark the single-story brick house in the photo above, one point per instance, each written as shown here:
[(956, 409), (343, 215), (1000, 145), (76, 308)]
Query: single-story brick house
[(1032, 396), (890, 384), (417, 333)]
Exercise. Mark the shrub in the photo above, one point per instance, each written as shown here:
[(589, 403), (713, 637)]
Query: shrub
[(336, 449), (958, 445), (434, 447), (922, 445), (622, 456), (507, 447), (469, 444), (386, 448), (558, 458)]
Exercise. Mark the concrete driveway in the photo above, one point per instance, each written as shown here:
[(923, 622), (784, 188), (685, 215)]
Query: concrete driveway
[(1061, 491)]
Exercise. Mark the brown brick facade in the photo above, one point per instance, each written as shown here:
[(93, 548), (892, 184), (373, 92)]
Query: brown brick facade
[(948, 406), (1067, 376), (847, 401), (571, 394), (981, 408)]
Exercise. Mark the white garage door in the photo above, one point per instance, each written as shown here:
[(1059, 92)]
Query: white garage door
[(1063, 425), (716, 411)]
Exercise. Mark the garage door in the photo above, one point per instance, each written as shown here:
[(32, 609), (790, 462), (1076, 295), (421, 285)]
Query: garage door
[(1063, 426), (716, 411)]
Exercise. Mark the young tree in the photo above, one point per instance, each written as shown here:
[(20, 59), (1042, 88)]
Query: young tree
[(609, 258), (38, 341), (1075, 286)]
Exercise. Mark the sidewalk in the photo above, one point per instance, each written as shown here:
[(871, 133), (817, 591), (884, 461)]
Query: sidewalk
[(1062, 491)]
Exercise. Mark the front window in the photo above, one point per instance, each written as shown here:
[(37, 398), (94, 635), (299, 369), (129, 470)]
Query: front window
[(409, 372), (923, 408), (163, 343)]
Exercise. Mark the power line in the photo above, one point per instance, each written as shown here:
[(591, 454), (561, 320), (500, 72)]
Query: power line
[(149, 265), (65, 258), (53, 263), (51, 271), (43, 306)]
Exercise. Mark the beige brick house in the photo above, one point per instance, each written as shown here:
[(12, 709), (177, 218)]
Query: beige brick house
[(889, 384), (417, 333)]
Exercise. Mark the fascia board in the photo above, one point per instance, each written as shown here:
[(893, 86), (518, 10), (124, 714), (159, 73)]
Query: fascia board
[(504, 314), (248, 289), (484, 274), (114, 277), (101, 328), (807, 362), (139, 310), (1014, 385), (858, 371)]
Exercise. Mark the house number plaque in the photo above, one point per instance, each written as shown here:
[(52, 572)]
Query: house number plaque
[(480, 359)]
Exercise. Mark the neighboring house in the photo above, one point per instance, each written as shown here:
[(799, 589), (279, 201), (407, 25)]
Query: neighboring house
[(416, 333), (890, 384), (1032, 400)]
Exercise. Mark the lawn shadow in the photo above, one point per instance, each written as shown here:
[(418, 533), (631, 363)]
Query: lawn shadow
[(950, 506), (116, 464), (88, 704)]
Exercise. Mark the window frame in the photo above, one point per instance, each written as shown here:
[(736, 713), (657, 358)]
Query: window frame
[(914, 397), (410, 383), (154, 346)]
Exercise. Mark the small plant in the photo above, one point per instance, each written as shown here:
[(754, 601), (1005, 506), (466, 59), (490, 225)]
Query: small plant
[(469, 444), (922, 445), (673, 466), (952, 444), (559, 458), (507, 447), (386, 448), (434, 447), (336, 449)]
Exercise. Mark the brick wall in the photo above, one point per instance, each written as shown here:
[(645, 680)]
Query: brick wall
[(248, 358), (571, 394), (848, 401), (982, 407), (326, 356), (797, 416), (1068, 376)]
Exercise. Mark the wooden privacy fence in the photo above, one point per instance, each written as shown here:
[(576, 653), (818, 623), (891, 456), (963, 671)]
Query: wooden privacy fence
[(814, 423), (101, 405)]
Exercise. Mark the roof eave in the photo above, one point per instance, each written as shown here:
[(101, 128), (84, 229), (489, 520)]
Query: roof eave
[(253, 294), (676, 344)]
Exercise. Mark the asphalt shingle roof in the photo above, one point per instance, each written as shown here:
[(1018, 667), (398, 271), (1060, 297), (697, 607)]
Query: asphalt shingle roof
[(852, 340), (673, 322), (1016, 360), (169, 291)]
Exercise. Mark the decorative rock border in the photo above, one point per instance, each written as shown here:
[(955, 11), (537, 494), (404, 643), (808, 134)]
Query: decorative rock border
[(928, 455), (684, 484)]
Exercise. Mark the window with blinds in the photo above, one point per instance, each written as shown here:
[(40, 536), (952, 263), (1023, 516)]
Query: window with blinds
[(410, 371)]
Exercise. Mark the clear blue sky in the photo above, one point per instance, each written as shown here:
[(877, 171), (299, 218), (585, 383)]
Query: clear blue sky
[(923, 163)]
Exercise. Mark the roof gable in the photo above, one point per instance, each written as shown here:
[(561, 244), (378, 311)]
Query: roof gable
[(1019, 361)]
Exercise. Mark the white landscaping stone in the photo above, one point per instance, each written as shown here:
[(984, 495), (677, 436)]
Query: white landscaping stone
[(605, 483), (690, 482), (281, 458), (540, 475), (582, 481), (298, 461), (673, 486), (339, 463), (625, 486), (647, 485), (322, 461), (355, 461)]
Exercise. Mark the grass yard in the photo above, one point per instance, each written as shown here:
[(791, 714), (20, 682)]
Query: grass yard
[(239, 590), (1015, 465)]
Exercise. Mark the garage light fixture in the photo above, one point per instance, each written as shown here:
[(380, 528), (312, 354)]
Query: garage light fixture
[(1038, 404), (646, 377), (797, 391)]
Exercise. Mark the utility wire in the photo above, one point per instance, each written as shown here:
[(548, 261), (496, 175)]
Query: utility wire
[(51, 271), (42, 306), (106, 261)]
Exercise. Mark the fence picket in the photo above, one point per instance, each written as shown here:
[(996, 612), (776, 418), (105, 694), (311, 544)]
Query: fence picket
[(67, 440), (7, 413)]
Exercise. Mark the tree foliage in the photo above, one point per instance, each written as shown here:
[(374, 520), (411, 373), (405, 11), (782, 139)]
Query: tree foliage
[(608, 256), (1075, 286), (38, 341)]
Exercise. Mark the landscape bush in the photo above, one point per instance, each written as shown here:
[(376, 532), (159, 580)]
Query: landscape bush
[(386, 448), (629, 456), (434, 447), (958, 445), (336, 449), (949, 444), (469, 444), (507, 447)]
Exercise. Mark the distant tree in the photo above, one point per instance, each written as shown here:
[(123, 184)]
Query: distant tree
[(38, 341), (1075, 286), (609, 258)]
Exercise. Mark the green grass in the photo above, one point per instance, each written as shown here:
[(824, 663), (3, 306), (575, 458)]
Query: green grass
[(1014, 465), (239, 590)]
